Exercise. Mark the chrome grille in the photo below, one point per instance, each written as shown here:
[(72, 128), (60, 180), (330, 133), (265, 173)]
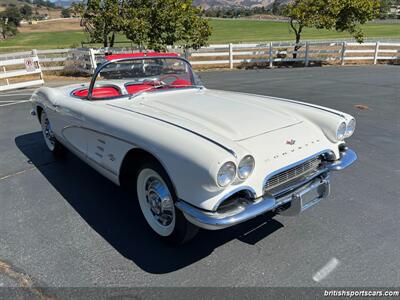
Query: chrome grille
[(301, 169)]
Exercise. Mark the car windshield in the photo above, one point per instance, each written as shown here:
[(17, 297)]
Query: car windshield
[(149, 74)]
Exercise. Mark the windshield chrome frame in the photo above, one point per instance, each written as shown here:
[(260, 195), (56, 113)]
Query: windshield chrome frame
[(105, 64)]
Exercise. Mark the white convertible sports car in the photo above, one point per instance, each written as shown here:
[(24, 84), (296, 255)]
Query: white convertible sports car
[(194, 157)]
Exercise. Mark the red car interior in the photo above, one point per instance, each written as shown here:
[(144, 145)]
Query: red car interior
[(110, 91), (135, 88), (181, 83), (99, 92)]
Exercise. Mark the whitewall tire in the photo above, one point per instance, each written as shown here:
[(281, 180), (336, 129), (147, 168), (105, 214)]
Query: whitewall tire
[(156, 202), (51, 142), (156, 197)]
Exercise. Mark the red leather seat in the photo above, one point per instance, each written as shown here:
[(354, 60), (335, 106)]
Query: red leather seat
[(99, 92), (135, 88), (180, 83)]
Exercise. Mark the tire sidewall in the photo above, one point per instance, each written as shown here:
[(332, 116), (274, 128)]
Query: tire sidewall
[(183, 231), (58, 150), (50, 146), (143, 176)]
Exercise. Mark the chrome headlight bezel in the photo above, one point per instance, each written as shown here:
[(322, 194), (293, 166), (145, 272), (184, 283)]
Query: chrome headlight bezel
[(350, 128), (246, 167), (341, 131), (226, 174)]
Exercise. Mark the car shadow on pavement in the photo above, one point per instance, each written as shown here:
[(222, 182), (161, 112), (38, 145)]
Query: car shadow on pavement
[(117, 218)]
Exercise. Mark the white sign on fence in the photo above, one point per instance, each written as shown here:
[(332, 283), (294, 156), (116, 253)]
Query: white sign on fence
[(29, 64), (17, 69)]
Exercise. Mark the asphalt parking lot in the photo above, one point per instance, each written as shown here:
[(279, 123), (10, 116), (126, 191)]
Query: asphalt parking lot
[(63, 224)]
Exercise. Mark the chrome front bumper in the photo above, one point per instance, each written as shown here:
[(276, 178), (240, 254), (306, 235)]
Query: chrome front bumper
[(300, 199)]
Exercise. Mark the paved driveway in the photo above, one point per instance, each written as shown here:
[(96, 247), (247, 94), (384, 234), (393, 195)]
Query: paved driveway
[(62, 224)]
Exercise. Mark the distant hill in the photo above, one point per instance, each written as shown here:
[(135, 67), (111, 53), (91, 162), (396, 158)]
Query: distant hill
[(65, 3), (33, 3), (46, 12), (232, 3), (203, 3)]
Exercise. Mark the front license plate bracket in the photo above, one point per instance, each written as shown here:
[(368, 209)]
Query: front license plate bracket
[(307, 197)]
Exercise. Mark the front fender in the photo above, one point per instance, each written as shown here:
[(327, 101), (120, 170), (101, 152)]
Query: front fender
[(191, 161)]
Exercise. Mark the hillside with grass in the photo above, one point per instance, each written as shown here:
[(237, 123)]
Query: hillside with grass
[(52, 12)]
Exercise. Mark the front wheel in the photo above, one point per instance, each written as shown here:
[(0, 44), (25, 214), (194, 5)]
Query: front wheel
[(157, 202)]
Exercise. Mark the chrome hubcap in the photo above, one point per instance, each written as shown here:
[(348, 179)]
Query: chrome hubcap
[(48, 132), (159, 201)]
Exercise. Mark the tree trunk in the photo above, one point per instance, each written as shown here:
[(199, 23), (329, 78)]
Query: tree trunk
[(112, 40), (297, 32), (105, 35), (105, 41), (297, 46)]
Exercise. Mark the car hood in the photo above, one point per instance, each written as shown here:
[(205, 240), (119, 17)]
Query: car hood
[(232, 115)]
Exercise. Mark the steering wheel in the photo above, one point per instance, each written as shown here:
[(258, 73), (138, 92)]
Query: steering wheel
[(165, 76)]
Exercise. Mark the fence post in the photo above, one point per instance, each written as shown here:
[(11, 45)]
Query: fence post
[(343, 54), (186, 53), (306, 60), (271, 55), (35, 54), (230, 56), (92, 60), (376, 53), (5, 73)]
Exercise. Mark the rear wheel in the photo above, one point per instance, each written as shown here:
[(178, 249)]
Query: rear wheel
[(51, 142), (157, 202)]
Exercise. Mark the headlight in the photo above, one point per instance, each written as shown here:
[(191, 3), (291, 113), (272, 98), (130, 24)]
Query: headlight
[(340, 132), (226, 174), (351, 126), (246, 167)]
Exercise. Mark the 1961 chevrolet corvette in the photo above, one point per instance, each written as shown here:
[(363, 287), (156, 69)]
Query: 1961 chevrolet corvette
[(194, 157)]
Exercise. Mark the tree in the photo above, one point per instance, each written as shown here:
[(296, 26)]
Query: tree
[(77, 9), (339, 15), (66, 13), (9, 21), (277, 7), (7, 29), (13, 16), (156, 24), (102, 20), (26, 12)]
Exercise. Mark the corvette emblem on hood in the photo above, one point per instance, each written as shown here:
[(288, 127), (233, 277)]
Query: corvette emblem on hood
[(290, 142)]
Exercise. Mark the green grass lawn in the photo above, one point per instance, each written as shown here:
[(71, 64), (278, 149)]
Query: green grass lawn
[(223, 31)]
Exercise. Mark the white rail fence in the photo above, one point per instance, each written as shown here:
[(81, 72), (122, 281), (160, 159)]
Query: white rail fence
[(85, 60), (309, 52), (50, 60), (20, 72), (265, 54)]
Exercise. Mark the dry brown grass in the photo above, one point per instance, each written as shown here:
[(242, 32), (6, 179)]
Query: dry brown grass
[(53, 13), (52, 26)]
